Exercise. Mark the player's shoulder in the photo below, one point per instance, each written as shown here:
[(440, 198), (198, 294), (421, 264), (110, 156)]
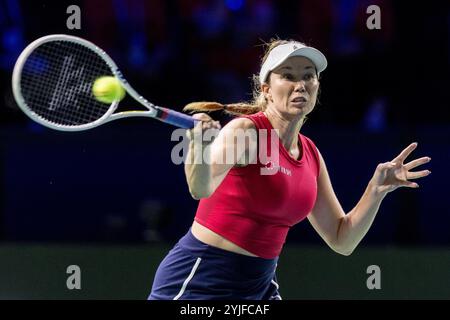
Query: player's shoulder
[(309, 141), (240, 123)]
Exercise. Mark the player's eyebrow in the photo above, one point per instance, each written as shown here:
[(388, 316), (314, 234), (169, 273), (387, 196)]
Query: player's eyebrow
[(289, 68)]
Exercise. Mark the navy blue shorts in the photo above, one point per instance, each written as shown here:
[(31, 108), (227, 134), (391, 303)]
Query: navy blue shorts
[(194, 270)]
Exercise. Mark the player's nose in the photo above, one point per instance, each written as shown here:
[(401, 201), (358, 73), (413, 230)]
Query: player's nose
[(300, 86)]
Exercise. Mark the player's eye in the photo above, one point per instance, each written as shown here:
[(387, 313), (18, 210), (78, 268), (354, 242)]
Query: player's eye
[(308, 76)]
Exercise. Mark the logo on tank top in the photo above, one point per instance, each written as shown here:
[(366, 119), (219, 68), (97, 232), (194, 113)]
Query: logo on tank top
[(276, 168)]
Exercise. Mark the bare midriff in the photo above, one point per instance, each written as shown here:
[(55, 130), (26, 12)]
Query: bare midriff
[(211, 238)]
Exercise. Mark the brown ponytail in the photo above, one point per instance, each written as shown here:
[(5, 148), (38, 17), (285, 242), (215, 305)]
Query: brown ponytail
[(234, 108)]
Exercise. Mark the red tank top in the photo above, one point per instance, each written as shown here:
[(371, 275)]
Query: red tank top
[(254, 210)]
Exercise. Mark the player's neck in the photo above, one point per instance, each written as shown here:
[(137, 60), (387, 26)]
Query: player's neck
[(287, 129)]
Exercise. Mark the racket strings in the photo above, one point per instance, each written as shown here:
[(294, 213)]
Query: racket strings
[(56, 83)]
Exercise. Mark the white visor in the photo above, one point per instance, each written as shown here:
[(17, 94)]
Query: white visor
[(280, 53)]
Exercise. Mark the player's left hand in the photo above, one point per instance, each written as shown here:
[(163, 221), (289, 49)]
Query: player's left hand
[(395, 174)]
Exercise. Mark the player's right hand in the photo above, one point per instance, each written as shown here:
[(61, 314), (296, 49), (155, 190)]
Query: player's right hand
[(200, 131)]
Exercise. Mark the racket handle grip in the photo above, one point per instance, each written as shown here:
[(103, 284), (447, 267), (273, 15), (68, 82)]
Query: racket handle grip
[(176, 118)]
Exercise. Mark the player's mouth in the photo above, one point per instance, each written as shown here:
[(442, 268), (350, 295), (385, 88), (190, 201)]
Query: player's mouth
[(299, 100)]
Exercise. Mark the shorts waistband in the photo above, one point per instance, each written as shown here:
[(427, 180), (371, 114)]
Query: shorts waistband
[(227, 258)]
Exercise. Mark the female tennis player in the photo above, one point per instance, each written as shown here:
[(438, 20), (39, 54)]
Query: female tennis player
[(244, 214)]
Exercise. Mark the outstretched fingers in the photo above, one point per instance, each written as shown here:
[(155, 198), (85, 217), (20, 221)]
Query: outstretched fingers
[(410, 184), (418, 174), (417, 162), (405, 153)]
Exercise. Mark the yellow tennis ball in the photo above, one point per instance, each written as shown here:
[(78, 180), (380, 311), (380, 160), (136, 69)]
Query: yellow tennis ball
[(108, 89)]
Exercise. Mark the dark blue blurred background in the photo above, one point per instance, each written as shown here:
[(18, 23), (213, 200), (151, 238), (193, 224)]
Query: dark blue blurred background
[(382, 90)]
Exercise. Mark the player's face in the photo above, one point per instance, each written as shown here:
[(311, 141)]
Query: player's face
[(293, 87)]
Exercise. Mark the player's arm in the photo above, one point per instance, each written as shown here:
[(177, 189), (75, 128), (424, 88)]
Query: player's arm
[(209, 163), (341, 231)]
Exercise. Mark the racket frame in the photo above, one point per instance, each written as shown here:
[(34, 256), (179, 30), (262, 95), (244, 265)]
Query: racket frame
[(162, 114)]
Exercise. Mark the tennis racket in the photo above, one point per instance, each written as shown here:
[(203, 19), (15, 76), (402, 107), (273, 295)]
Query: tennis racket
[(52, 83)]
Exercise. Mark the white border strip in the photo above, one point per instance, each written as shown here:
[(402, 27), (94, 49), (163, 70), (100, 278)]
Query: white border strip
[(275, 284), (189, 278)]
